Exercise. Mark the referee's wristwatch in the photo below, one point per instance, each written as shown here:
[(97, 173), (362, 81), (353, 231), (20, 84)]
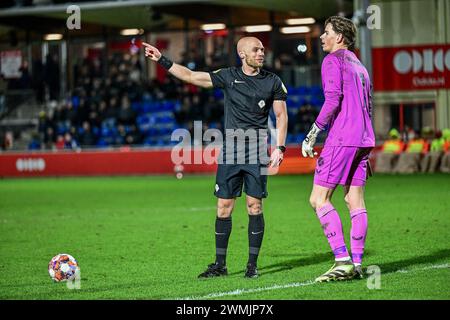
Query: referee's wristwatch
[(282, 148)]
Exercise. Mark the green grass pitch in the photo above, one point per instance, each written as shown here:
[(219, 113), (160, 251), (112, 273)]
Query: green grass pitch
[(149, 237)]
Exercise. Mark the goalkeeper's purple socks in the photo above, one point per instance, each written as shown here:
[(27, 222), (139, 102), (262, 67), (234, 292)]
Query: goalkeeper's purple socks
[(358, 234), (332, 228)]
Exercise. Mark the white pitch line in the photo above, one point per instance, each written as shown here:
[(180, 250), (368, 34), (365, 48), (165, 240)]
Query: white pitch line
[(244, 291), (291, 285)]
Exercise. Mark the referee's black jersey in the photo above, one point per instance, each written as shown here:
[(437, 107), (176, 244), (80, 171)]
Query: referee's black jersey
[(248, 99)]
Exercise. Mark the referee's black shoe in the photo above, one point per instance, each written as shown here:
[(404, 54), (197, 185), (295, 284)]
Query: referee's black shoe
[(214, 270), (252, 271)]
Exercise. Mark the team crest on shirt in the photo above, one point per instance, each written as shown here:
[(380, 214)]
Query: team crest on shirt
[(261, 103), (320, 162)]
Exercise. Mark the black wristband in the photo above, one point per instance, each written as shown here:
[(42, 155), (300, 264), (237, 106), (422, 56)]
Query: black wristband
[(282, 148), (165, 62)]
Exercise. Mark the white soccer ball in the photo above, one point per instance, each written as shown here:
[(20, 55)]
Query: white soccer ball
[(63, 267)]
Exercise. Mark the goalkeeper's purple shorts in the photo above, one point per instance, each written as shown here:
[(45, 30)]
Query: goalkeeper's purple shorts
[(346, 166)]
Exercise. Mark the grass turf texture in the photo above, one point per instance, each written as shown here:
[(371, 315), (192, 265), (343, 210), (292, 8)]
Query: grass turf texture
[(149, 238)]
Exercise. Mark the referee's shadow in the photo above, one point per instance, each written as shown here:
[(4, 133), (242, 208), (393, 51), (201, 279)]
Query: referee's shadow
[(293, 263)]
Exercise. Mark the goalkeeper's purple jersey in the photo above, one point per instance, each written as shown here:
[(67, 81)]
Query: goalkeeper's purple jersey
[(347, 109)]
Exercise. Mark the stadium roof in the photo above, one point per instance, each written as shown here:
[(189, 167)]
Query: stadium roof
[(160, 15)]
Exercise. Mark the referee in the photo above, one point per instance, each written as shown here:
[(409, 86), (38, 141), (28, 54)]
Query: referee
[(249, 93)]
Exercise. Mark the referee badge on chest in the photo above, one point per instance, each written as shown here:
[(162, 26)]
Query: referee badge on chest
[(261, 103)]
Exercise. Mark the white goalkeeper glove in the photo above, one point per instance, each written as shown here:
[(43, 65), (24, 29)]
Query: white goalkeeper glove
[(310, 140)]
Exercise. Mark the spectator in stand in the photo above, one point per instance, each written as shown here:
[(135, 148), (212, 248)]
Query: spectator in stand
[(182, 116), (45, 121), (82, 111), (87, 138), (35, 143), (69, 142), (71, 113), (130, 136), (6, 140), (60, 114), (60, 143), (49, 138), (386, 159), (126, 116), (112, 110), (94, 119), (196, 112)]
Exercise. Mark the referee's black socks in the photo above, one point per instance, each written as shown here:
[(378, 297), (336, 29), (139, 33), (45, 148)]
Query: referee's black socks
[(255, 236), (223, 231)]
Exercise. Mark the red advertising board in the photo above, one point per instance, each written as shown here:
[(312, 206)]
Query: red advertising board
[(411, 68), (93, 163), (124, 161)]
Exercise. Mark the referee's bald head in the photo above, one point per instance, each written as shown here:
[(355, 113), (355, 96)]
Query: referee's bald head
[(246, 43)]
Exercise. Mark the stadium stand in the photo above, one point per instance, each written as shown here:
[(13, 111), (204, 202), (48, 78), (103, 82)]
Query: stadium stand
[(125, 109)]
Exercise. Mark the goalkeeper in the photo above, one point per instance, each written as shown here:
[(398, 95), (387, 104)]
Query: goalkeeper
[(344, 158)]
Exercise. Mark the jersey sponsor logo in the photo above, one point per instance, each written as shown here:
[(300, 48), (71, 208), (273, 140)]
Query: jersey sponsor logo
[(237, 81)]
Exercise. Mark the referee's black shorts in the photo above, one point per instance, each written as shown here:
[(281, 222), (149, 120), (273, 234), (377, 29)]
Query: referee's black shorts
[(231, 177)]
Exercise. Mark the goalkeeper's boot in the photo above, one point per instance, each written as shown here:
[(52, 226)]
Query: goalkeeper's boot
[(251, 272), (341, 270), (358, 273), (214, 270)]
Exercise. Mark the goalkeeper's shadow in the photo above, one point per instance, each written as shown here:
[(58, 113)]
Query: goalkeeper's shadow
[(394, 266)]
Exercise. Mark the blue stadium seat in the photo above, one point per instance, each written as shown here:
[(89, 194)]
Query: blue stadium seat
[(316, 101), (102, 143), (75, 101), (303, 90), (298, 138), (137, 107), (218, 94), (316, 90)]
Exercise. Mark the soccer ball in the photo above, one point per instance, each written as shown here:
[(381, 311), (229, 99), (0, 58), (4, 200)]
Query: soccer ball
[(178, 169), (63, 267)]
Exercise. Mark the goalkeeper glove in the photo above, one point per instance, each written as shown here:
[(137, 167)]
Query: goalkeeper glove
[(310, 140)]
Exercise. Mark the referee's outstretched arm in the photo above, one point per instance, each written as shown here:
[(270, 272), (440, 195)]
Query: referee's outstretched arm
[(198, 78)]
